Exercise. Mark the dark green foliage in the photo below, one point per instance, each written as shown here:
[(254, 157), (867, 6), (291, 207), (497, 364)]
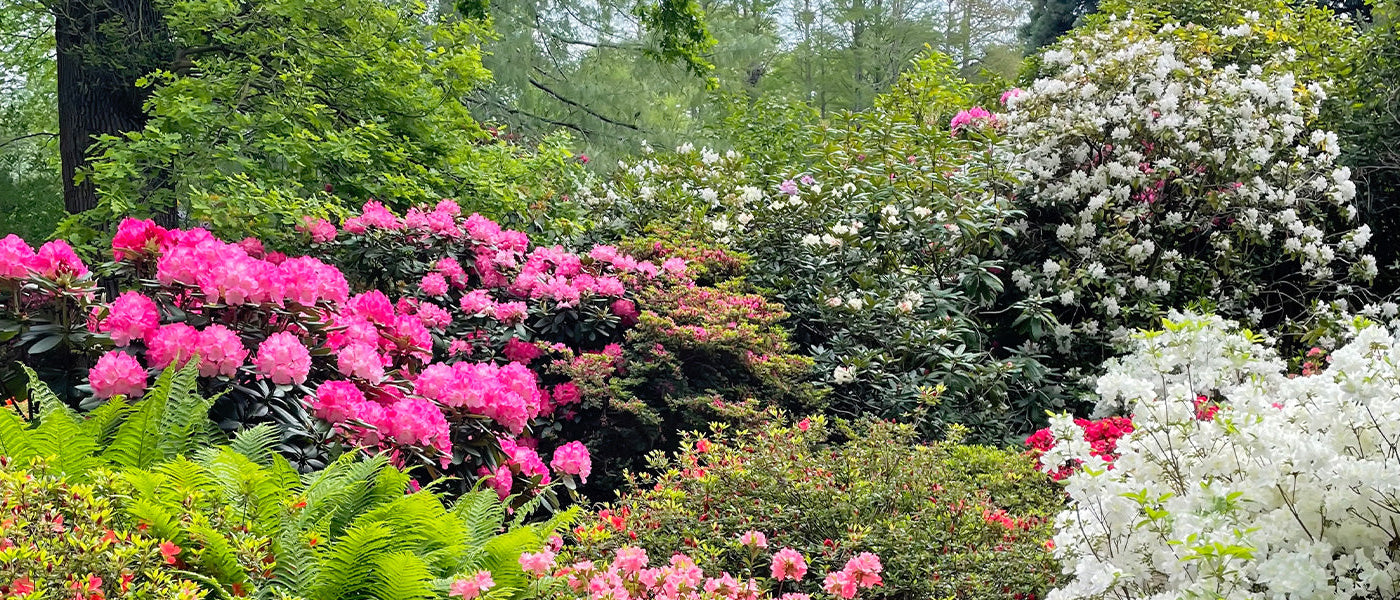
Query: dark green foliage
[(1051, 19)]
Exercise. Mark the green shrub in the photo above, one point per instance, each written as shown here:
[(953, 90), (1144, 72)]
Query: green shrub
[(947, 520)]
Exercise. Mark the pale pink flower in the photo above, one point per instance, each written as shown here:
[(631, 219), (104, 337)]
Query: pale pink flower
[(472, 586), (221, 351), (283, 359)]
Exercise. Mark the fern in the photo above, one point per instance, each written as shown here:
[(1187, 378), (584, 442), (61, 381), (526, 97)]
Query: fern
[(402, 576), (60, 438), (257, 443), (16, 441), (185, 425), (102, 422), (137, 441), (347, 567)]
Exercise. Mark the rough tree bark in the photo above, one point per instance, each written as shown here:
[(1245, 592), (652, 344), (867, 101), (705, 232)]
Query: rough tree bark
[(102, 46)]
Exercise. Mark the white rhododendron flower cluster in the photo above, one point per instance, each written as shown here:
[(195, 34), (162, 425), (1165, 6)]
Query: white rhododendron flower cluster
[(1288, 487), (1153, 175)]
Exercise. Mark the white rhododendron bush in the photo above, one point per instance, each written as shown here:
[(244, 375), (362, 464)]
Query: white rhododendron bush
[(1156, 171), (1237, 480)]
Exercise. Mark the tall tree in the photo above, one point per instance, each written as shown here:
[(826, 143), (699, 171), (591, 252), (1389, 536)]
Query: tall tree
[(102, 48)]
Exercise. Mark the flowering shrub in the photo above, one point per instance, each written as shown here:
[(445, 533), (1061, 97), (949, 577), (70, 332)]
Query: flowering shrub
[(1155, 172), (1102, 436), (946, 520), (284, 339), (623, 349), (1238, 479), (573, 575), (62, 540), (883, 246)]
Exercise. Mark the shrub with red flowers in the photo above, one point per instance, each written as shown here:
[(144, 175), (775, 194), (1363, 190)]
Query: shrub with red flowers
[(60, 540), (624, 350), (1101, 435), (946, 520)]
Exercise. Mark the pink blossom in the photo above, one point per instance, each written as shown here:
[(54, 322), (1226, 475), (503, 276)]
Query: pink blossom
[(221, 351), (566, 393), (338, 401), (360, 359), (283, 359), (417, 421), (57, 258), (625, 310), (840, 584), (434, 316), (520, 351), (136, 237), (15, 256), (477, 302), (752, 538), (500, 480), (789, 564), (674, 266), (572, 458), (452, 270), (132, 316), (538, 564), (434, 284), (511, 312), (321, 230), (117, 373), (788, 187), (630, 559), (472, 586), (171, 344)]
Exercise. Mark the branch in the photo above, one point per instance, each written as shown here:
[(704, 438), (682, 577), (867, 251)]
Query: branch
[(581, 107), (27, 136)]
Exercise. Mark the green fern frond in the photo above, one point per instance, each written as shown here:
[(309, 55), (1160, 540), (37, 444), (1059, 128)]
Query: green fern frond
[(501, 556), (482, 513), (161, 519), (347, 567), (185, 426), (253, 493), (402, 576), (63, 440), (16, 440), (102, 422), (258, 443), (137, 441), (214, 554)]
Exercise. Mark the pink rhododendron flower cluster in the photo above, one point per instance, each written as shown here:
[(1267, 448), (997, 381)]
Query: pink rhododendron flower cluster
[(283, 359), (975, 117), (572, 458), (54, 259), (117, 373), (508, 394), (132, 316)]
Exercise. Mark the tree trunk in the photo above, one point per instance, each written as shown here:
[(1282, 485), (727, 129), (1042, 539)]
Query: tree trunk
[(103, 46)]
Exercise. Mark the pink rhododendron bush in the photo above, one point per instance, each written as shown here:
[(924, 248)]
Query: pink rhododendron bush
[(284, 339), (627, 349), (1237, 478), (1158, 168)]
